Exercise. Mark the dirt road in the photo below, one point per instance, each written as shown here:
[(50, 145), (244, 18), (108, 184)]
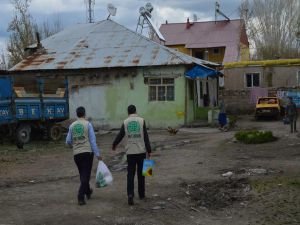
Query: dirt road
[(38, 185)]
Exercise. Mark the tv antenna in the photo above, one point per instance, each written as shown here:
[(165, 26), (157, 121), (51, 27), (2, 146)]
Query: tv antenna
[(218, 11), (112, 10), (145, 21), (90, 10)]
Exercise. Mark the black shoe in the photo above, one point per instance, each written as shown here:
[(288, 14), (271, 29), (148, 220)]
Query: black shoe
[(142, 197), (88, 196), (81, 202), (130, 201)]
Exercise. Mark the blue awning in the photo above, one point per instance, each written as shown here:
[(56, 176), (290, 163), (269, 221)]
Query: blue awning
[(201, 72)]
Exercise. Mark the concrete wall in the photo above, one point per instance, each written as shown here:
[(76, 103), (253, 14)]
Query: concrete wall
[(276, 76), (237, 101), (237, 95), (106, 96), (218, 58)]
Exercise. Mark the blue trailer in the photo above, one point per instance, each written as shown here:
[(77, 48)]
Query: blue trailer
[(27, 105)]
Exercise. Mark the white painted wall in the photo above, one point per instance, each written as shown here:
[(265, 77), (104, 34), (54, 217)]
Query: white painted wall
[(93, 99)]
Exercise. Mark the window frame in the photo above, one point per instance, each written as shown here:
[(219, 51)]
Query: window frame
[(158, 87), (252, 73), (197, 53), (218, 51)]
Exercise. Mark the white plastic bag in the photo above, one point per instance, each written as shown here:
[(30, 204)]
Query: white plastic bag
[(103, 175)]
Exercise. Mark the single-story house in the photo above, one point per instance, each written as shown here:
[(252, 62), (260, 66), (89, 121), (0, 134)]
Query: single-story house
[(109, 67), (245, 81)]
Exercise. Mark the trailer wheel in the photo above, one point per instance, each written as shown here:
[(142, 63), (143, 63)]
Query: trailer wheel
[(55, 132), (23, 134)]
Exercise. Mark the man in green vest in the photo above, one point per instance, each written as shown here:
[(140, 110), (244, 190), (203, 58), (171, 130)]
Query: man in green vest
[(137, 146), (82, 139)]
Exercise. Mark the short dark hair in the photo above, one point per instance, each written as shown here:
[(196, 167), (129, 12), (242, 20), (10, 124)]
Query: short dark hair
[(131, 109), (80, 111)]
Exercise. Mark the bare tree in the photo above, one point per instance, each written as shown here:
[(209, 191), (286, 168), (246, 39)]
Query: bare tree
[(3, 65), (272, 27), (22, 30)]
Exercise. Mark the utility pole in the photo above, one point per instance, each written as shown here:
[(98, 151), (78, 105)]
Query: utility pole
[(90, 11)]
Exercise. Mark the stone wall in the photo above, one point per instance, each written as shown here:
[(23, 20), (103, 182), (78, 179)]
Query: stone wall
[(274, 78), (237, 101)]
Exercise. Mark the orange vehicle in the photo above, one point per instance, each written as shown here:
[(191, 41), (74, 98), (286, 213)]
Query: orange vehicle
[(267, 107)]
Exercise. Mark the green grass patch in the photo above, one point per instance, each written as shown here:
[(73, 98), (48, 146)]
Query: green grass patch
[(263, 185), (255, 136), (294, 183)]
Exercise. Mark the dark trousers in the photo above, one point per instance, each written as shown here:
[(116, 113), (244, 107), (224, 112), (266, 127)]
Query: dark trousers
[(84, 162), (293, 122), (222, 119), (135, 161)]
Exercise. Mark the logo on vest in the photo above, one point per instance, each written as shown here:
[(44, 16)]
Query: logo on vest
[(134, 128), (78, 132)]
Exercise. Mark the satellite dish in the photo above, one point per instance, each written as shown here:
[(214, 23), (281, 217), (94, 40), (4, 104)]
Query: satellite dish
[(149, 7), (112, 10), (145, 19), (142, 11)]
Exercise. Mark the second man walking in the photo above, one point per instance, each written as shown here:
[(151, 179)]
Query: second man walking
[(137, 148)]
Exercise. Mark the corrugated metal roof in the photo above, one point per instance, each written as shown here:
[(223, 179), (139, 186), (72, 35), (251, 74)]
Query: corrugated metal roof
[(104, 44), (208, 35)]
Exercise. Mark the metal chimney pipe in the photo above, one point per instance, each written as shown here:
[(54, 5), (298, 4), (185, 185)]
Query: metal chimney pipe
[(38, 40)]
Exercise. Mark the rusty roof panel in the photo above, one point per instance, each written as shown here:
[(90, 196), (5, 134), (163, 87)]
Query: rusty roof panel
[(104, 44)]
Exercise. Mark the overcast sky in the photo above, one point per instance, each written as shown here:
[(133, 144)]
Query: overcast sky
[(74, 11)]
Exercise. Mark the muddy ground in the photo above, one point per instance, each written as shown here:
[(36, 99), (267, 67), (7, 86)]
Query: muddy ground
[(38, 185)]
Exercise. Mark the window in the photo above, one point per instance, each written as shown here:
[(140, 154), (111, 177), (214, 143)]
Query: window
[(199, 55), (252, 80), (161, 89), (216, 51)]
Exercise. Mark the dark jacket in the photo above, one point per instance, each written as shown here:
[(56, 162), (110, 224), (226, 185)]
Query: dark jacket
[(291, 110)]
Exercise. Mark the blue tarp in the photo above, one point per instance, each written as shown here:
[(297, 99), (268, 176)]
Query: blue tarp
[(201, 72)]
